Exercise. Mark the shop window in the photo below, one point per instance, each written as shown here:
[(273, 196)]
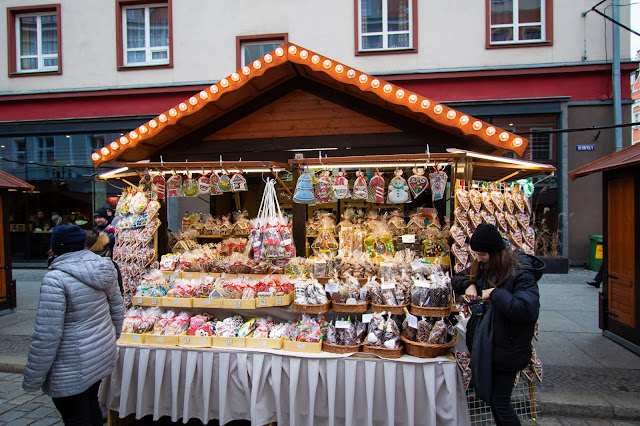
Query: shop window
[(143, 34), (541, 146), (45, 149), (386, 25), (517, 22), (34, 40), (19, 151), (250, 48)]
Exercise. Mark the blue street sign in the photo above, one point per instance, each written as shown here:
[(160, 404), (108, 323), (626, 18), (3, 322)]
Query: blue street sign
[(585, 147)]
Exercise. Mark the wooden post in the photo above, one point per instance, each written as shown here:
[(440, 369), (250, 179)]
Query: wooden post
[(163, 238), (299, 212)]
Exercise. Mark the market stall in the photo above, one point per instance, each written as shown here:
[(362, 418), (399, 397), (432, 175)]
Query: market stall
[(339, 279)]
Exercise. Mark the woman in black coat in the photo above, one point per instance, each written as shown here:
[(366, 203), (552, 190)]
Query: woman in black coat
[(500, 339)]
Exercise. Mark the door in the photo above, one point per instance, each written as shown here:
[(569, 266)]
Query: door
[(4, 301), (621, 256)]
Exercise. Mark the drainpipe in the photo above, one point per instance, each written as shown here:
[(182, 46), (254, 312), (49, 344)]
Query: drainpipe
[(615, 71)]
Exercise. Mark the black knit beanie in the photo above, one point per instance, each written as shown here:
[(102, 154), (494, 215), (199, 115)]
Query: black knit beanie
[(67, 238), (486, 239)]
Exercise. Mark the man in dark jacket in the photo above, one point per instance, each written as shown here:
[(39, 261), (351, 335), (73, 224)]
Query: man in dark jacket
[(102, 224)]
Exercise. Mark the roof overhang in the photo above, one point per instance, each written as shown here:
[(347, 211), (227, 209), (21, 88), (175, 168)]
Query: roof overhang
[(286, 63), (626, 157), (8, 181)]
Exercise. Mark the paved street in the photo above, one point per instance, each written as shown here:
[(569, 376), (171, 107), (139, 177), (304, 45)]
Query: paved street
[(588, 379)]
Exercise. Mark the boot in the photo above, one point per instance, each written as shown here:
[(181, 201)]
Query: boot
[(594, 284)]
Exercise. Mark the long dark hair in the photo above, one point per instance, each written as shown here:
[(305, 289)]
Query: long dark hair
[(501, 265)]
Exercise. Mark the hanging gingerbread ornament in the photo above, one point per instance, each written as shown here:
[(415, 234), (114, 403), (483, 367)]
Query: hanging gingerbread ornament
[(238, 183), (462, 195), (475, 199), (323, 189), (508, 200), (438, 181), (145, 183), (341, 186), (158, 186), (486, 201), (204, 184), (497, 198), (174, 186), (418, 182), (224, 183), (359, 187), (398, 191), (304, 189), (215, 184), (376, 188), (518, 199), (190, 187), (457, 234)]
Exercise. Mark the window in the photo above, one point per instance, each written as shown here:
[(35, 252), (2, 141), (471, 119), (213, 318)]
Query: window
[(519, 22), (386, 25), (34, 40), (541, 146), (144, 34), (250, 48), (44, 149), (19, 150)]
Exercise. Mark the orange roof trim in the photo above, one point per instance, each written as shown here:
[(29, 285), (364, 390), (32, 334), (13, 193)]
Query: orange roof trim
[(440, 115), (8, 181)]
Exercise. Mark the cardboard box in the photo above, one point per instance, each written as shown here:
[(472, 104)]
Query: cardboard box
[(265, 302), (228, 342), (239, 303), (177, 302), (308, 347), (156, 339), (146, 301), (204, 302), (265, 343), (194, 341), (131, 338)]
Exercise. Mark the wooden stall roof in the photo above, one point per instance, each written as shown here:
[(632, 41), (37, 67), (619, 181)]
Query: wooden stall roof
[(284, 64), (10, 182), (627, 157)]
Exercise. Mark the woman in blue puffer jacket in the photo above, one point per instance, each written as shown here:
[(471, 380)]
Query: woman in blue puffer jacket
[(500, 339), (79, 319)]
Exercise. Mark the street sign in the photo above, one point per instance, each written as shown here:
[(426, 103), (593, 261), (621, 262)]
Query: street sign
[(585, 147)]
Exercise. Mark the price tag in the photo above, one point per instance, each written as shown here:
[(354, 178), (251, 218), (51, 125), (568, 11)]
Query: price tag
[(206, 302), (175, 301), (286, 242), (421, 283), (159, 339), (388, 285), (135, 338), (229, 342), (154, 301), (256, 244), (262, 343), (366, 318), (263, 302), (238, 304), (186, 340), (139, 300), (301, 345), (412, 321), (419, 263), (278, 301), (409, 239), (189, 275), (331, 288), (342, 324)]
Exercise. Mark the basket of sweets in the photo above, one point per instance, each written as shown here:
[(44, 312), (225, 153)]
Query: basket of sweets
[(391, 296), (343, 337), (383, 337), (348, 295), (310, 297), (340, 349), (355, 308), (432, 297), (430, 338)]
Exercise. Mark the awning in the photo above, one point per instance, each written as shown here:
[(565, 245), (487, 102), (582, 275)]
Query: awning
[(627, 157)]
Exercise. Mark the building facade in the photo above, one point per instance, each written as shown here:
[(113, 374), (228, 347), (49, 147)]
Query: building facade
[(80, 74)]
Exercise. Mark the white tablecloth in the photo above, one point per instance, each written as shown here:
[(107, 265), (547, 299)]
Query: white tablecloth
[(268, 387)]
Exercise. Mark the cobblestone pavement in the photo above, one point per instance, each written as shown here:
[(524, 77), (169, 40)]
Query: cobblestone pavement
[(18, 407), (15, 345), (597, 380)]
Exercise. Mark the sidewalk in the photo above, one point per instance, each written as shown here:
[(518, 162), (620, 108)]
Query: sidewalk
[(586, 375)]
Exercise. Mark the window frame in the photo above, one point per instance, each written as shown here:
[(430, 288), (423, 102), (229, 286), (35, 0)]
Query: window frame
[(121, 6), (41, 150), (547, 28), (241, 40), (13, 13), (16, 152), (541, 131), (413, 32)]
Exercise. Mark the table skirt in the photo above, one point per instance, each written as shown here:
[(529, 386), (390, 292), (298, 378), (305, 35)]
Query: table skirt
[(286, 388)]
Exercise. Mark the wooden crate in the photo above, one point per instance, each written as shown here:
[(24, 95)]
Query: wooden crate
[(228, 342), (264, 343), (177, 302), (308, 347), (146, 301)]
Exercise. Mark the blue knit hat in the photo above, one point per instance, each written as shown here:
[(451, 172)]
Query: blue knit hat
[(67, 238)]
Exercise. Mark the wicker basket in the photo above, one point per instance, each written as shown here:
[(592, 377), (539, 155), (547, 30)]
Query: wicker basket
[(340, 349), (431, 312), (383, 352), (424, 350), (391, 309), (354, 308), (311, 309)]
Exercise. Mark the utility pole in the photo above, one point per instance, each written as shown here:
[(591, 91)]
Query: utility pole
[(615, 75)]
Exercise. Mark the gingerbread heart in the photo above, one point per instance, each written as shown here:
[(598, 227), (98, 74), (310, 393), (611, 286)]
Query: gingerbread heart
[(462, 195), (529, 235), (526, 248), (460, 252), (459, 267), (523, 219), (488, 217), (498, 199), (486, 201), (457, 234), (538, 370), (461, 216), (527, 206), (518, 201), (418, 182), (476, 199), (511, 220), (508, 201), (501, 221), (516, 237), (472, 254), (474, 218), (468, 231)]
